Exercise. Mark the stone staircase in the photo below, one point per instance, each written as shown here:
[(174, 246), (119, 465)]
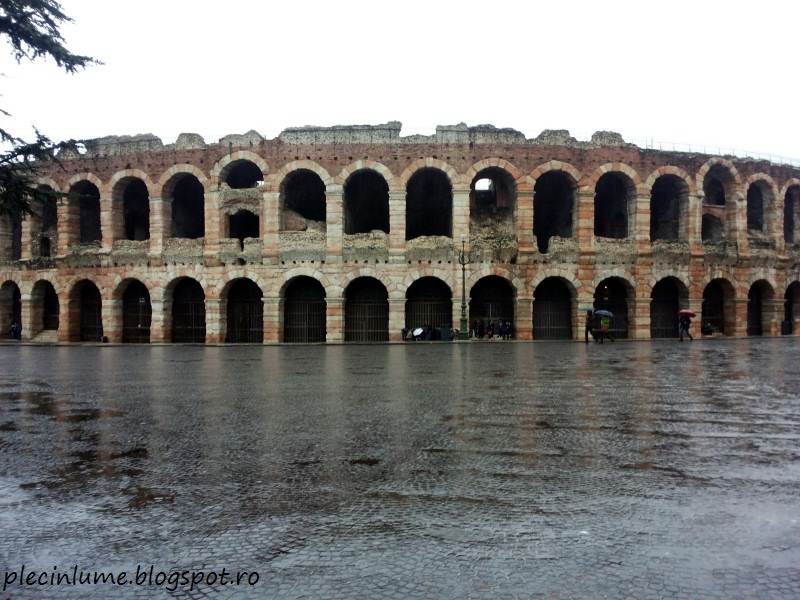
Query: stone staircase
[(46, 336)]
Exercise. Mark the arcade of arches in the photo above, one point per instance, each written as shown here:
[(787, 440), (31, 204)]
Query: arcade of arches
[(288, 241)]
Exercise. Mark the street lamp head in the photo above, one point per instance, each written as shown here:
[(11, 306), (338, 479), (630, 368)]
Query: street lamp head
[(463, 238)]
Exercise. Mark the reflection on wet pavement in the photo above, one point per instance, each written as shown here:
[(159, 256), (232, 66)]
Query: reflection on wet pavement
[(641, 470)]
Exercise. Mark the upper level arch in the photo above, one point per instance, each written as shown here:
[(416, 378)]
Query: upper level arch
[(241, 169), (365, 202), (719, 181)]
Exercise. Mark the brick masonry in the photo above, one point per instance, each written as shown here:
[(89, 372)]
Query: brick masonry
[(742, 259)]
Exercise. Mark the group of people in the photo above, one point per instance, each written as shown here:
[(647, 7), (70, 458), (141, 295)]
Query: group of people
[(494, 329), (445, 333), (598, 326)]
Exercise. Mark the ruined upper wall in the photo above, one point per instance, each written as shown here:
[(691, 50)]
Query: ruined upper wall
[(388, 133)]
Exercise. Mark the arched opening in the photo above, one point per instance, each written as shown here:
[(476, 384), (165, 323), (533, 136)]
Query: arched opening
[(669, 200), (90, 312), (758, 299), (366, 311), (717, 304), (188, 208), (429, 204), (245, 313), (612, 295), (304, 312), (429, 304), (45, 221), (791, 308), (791, 215), (136, 314), (16, 238), (243, 224), (613, 201), (755, 208), (188, 312), (44, 307), (713, 188), (712, 229), (136, 209), (366, 203), (552, 310), (491, 304), (303, 193), (88, 199), (10, 308), (665, 302), (242, 174), (554, 198)]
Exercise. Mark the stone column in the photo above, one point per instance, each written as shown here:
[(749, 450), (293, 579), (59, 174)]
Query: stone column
[(397, 318), (27, 312), (28, 227), (771, 316), (270, 227), (107, 224), (160, 230), (523, 318), (334, 319), (639, 319), (736, 325), (397, 226), (112, 319), (334, 217), (460, 215), (212, 228), (526, 242), (641, 222), (158, 322), (273, 314), (5, 239), (214, 321)]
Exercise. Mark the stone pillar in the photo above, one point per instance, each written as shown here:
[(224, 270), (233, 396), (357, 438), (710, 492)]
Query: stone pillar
[(28, 227), (69, 225), (334, 319), (334, 218), (639, 319), (112, 319), (212, 227), (27, 312), (523, 318), (738, 323), (526, 242), (397, 318), (771, 316), (5, 239), (214, 320), (460, 215), (107, 224), (158, 322), (270, 227), (640, 224), (160, 220), (68, 319), (397, 226), (273, 314)]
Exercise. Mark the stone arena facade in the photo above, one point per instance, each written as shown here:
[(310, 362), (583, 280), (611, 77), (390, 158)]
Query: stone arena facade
[(355, 233)]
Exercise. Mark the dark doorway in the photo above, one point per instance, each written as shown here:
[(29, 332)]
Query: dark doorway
[(429, 204), (611, 295), (50, 308), (366, 203), (366, 311), (668, 193), (245, 313), (303, 192), (11, 307), (552, 310), (613, 194), (188, 313), (88, 199), (304, 312), (136, 210), (553, 206), (243, 224), (91, 317), (429, 304), (755, 307), (136, 314), (713, 311), (243, 174), (188, 208), (664, 307)]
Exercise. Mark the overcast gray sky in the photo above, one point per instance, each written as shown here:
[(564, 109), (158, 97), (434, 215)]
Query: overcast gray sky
[(701, 72)]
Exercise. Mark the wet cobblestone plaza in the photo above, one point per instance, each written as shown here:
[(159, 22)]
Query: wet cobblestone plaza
[(472, 470)]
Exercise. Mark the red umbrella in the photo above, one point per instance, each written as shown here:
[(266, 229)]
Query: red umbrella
[(687, 312)]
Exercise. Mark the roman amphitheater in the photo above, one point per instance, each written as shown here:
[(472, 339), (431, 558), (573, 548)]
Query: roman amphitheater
[(355, 233)]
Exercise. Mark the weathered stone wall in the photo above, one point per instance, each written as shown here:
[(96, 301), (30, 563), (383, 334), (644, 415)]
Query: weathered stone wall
[(502, 246)]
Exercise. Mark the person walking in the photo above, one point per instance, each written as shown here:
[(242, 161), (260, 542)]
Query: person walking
[(589, 326), (683, 327)]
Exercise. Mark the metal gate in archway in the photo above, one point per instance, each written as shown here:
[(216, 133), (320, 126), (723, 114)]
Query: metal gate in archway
[(491, 299), (245, 313), (366, 311), (664, 307), (136, 314), (612, 296), (50, 308), (713, 310), (754, 311), (429, 304), (552, 311), (188, 313), (91, 321), (304, 311)]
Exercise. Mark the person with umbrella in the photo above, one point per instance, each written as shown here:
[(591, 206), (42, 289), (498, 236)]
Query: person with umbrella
[(605, 324), (684, 321), (589, 326)]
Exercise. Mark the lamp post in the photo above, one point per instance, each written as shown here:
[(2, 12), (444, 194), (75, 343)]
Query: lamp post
[(463, 331)]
